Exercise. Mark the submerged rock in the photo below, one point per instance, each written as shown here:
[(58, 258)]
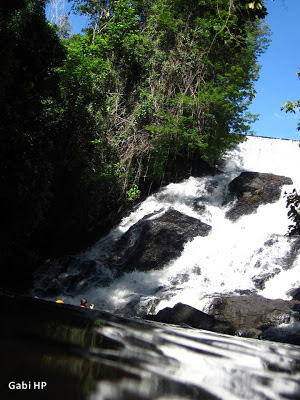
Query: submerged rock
[(253, 189), (152, 242)]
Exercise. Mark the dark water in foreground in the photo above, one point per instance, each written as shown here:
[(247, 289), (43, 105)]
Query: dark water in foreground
[(85, 354)]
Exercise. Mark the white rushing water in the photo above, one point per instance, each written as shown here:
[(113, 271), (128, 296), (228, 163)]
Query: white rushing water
[(231, 259)]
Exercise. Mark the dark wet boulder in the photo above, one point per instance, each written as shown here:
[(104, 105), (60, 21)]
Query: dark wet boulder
[(247, 316), (253, 189), (70, 276), (250, 312), (261, 279), (295, 293), (296, 311), (156, 240), (284, 333), (183, 314)]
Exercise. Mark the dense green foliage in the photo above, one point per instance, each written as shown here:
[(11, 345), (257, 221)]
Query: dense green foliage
[(149, 93), (178, 78), (293, 203), (293, 199)]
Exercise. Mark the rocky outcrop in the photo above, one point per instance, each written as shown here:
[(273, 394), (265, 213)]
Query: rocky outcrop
[(253, 314), (253, 189), (284, 333), (295, 293), (70, 275), (154, 241), (261, 279), (289, 333), (183, 314), (248, 316)]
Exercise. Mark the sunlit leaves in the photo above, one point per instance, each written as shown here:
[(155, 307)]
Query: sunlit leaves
[(292, 106), (255, 5)]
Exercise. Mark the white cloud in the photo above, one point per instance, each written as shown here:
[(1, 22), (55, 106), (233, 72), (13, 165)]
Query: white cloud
[(284, 116)]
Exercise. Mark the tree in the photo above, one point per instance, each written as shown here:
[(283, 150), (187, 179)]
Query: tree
[(30, 52), (184, 77), (97, 11), (59, 18), (202, 68)]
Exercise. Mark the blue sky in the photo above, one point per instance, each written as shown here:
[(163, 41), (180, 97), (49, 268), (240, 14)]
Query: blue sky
[(278, 80)]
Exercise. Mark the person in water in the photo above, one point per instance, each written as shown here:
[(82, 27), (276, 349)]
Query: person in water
[(84, 303)]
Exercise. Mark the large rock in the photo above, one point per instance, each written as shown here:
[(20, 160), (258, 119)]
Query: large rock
[(152, 242), (253, 314), (253, 189), (248, 316), (284, 333), (295, 293), (183, 314)]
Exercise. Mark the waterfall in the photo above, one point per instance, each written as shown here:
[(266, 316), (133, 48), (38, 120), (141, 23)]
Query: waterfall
[(250, 255)]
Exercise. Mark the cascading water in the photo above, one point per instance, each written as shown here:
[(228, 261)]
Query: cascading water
[(233, 258)]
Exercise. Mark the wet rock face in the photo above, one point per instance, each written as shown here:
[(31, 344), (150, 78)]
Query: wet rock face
[(251, 312), (70, 276), (261, 279), (250, 316), (152, 242), (253, 189), (184, 314), (284, 334), (295, 293)]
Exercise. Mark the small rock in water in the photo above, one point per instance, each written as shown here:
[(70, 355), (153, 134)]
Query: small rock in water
[(260, 280)]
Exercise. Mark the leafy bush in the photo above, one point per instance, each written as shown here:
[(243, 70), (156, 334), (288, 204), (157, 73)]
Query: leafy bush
[(293, 203)]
